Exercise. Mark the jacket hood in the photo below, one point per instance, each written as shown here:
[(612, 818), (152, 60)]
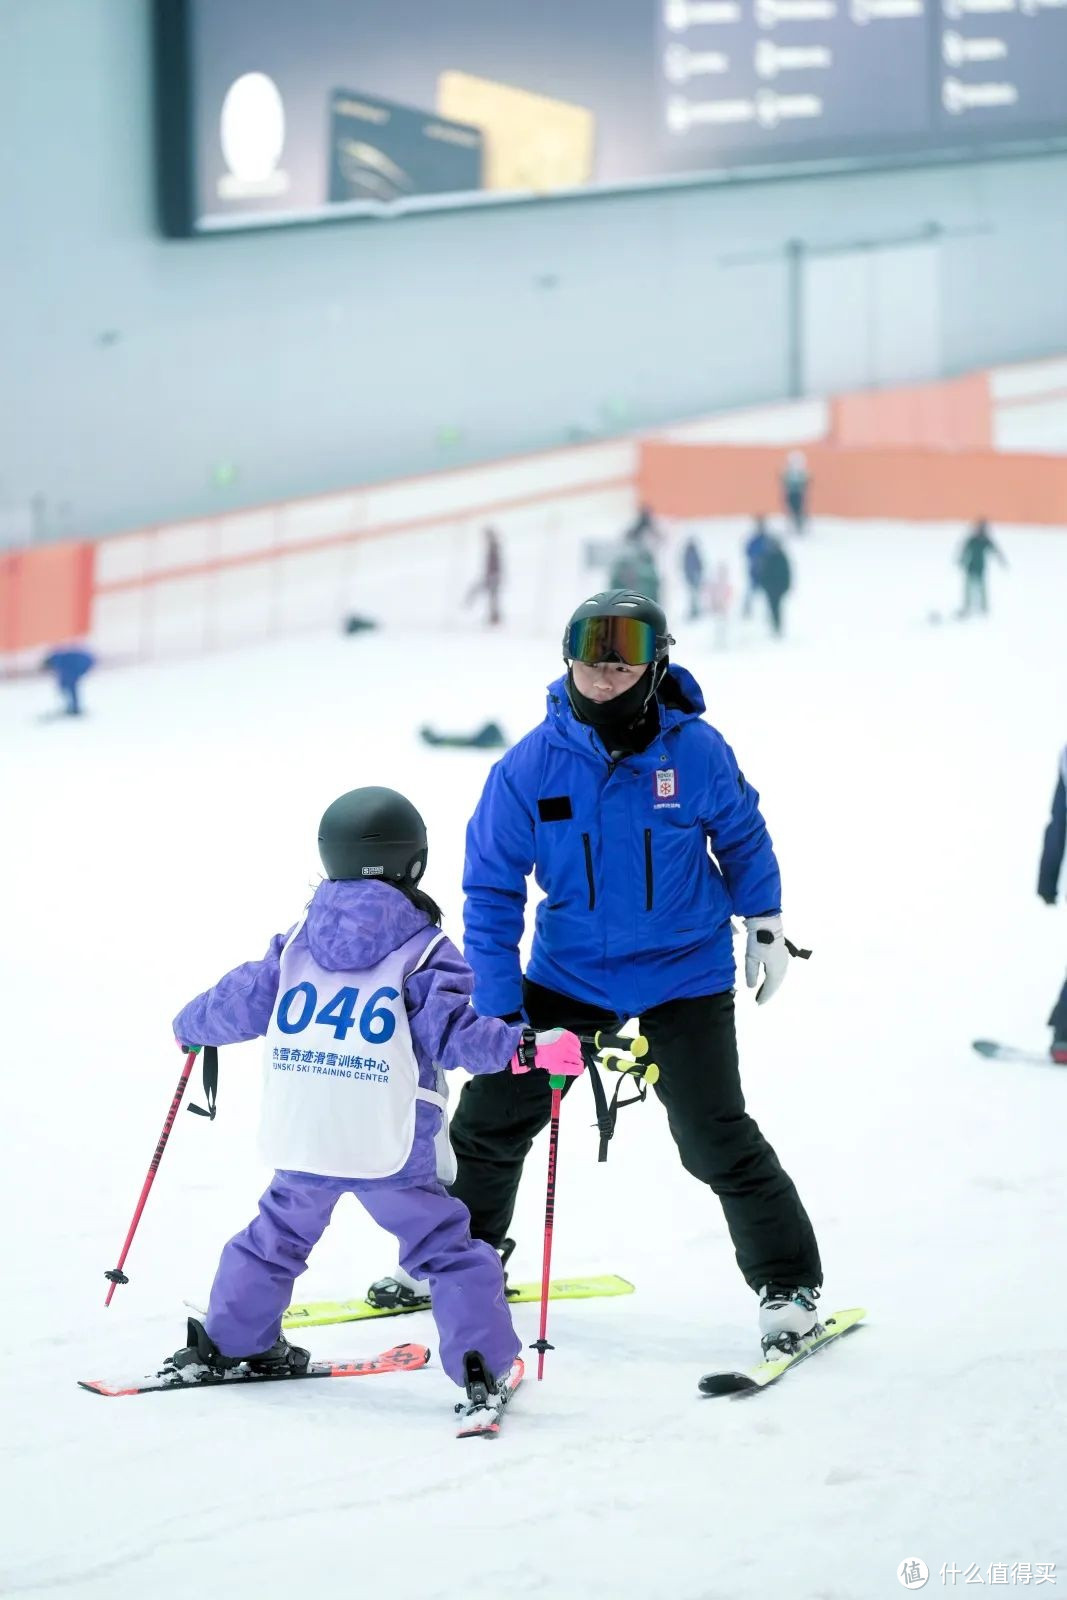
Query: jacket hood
[(353, 925), (679, 696)]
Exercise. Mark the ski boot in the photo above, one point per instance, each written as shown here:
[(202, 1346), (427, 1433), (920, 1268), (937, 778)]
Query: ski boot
[(202, 1355), (486, 1396), (1058, 1052), (787, 1317), (282, 1358), (402, 1292), (482, 1388)]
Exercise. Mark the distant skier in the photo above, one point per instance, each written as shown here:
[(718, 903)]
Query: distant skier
[(775, 579), (490, 736), (1047, 887), (491, 579), (755, 545), (796, 482), (693, 572), (973, 556), (378, 1002), (635, 568), (69, 665), (644, 529)]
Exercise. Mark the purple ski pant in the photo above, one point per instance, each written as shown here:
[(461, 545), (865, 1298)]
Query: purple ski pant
[(254, 1281)]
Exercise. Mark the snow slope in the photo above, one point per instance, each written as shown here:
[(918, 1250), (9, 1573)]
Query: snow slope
[(906, 770)]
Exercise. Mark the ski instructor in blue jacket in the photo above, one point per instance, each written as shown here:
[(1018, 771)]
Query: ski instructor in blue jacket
[(633, 816)]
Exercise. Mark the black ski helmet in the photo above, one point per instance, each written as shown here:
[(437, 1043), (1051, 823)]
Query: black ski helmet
[(373, 833), (622, 603)]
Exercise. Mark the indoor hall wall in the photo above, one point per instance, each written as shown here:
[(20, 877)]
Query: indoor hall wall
[(145, 380)]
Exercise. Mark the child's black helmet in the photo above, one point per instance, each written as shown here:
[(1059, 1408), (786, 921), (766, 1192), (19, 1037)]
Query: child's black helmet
[(373, 833)]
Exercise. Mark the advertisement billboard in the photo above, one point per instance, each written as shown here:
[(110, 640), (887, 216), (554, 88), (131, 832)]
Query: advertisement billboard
[(275, 111)]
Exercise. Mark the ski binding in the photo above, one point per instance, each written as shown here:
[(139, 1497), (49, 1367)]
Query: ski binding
[(777, 1365), (480, 1416), (401, 1358)]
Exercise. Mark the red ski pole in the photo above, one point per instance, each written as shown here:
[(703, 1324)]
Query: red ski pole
[(116, 1274), (541, 1344)]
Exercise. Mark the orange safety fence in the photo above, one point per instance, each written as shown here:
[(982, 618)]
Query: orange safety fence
[(919, 453), (954, 415), (692, 480), (46, 595)]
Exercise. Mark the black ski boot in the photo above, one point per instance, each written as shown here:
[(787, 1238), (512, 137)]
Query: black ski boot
[(486, 1396), (202, 1351), (281, 1358), (482, 1388), (399, 1294)]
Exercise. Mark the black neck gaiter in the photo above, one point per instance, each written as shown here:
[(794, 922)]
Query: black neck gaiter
[(625, 724)]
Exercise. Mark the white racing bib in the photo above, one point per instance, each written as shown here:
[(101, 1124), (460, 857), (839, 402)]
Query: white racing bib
[(341, 1081)]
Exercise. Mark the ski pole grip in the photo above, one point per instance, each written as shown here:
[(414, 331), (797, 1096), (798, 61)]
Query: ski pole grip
[(637, 1046), (647, 1071), (556, 1080)]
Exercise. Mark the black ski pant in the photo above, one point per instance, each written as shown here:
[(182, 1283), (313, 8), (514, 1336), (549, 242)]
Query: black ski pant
[(694, 1044)]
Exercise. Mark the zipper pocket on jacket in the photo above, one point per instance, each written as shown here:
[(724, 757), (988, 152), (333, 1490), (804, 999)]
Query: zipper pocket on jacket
[(589, 870), (648, 869)]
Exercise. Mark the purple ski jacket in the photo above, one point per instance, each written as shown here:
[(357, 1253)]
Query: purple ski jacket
[(350, 927)]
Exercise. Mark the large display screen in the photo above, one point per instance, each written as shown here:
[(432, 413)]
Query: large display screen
[(277, 111)]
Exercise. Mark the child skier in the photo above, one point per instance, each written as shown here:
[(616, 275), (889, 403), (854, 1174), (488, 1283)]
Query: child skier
[(362, 1004)]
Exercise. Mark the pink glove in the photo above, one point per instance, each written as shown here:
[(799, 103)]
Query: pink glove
[(556, 1051)]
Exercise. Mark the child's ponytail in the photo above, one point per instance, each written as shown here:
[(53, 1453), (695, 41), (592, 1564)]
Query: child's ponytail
[(422, 900)]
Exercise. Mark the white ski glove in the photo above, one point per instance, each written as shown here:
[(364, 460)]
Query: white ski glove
[(766, 949)]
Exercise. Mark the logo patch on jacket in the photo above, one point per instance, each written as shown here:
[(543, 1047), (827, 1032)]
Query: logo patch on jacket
[(666, 784)]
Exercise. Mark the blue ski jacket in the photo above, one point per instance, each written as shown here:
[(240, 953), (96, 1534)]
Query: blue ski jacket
[(642, 860), (69, 666)]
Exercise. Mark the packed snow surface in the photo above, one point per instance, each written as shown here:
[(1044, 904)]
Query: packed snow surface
[(906, 767)]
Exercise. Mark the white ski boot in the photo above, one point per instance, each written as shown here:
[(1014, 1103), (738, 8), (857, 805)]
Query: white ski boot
[(787, 1317)]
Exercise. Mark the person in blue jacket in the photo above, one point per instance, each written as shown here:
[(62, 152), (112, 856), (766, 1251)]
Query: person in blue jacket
[(69, 664), (633, 816), (756, 546), (1047, 887)]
